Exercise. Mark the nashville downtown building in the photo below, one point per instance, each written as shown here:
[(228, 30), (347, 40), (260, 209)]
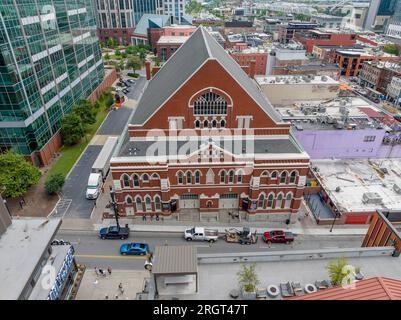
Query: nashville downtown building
[(50, 58)]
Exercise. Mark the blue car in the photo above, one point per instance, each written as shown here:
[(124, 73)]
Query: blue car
[(136, 249)]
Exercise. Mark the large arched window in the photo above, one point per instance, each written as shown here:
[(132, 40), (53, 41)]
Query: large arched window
[(288, 200), (136, 180), (231, 176), (239, 176), (138, 203), (126, 181), (274, 175), (206, 124), (261, 201), (148, 203), (197, 124), (222, 176), (279, 201), (145, 177), (293, 177), (197, 176), (222, 123), (180, 177), (283, 177), (270, 200), (189, 177), (210, 103), (210, 176), (128, 200), (214, 123), (155, 176), (158, 205)]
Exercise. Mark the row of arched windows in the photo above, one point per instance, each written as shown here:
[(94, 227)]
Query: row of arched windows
[(212, 123), (126, 179), (146, 204), (283, 177), (224, 177), (268, 202)]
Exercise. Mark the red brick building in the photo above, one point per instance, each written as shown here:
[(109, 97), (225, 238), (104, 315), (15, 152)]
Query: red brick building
[(219, 144), (318, 37), (245, 57)]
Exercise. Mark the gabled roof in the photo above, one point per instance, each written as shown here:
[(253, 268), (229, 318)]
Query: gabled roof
[(377, 288), (198, 49), (151, 21)]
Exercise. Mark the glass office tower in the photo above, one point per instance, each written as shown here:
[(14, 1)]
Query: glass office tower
[(50, 58)]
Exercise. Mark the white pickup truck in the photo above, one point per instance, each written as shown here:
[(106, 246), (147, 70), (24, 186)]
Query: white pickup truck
[(199, 233)]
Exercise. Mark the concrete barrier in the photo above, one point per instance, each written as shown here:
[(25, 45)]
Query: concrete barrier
[(294, 255)]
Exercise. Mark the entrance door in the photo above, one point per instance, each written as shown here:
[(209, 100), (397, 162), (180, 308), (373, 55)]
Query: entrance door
[(189, 201), (228, 201)]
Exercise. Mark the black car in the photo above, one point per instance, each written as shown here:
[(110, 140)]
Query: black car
[(114, 232)]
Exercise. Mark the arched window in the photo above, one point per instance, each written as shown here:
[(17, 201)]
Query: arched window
[(239, 176), (206, 124), (189, 177), (210, 176), (293, 177), (138, 203), (222, 176), (128, 200), (155, 176), (261, 201), (126, 181), (197, 124), (222, 123), (158, 204), (279, 201), (145, 177), (288, 200), (197, 176), (231, 176), (270, 200), (148, 203), (180, 177), (274, 175), (136, 180), (210, 103), (264, 174), (283, 177), (214, 123)]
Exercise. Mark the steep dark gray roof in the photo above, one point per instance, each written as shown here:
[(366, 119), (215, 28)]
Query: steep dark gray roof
[(179, 68)]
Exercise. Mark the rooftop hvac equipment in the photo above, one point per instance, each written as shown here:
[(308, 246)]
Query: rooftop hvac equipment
[(372, 198), (324, 78), (397, 188), (338, 189)]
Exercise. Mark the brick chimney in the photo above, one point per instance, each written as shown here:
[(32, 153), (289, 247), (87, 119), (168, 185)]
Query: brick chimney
[(147, 67), (252, 69)]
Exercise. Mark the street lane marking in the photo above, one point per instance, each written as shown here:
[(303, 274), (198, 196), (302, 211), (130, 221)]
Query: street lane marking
[(93, 256)]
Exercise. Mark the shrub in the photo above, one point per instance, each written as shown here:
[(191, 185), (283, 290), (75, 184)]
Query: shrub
[(133, 75), (54, 182)]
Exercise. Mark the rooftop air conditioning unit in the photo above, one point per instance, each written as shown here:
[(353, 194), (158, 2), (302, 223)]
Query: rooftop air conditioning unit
[(372, 198)]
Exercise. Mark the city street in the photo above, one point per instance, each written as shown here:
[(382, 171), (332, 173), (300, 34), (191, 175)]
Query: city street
[(94, 252), (74, 188)]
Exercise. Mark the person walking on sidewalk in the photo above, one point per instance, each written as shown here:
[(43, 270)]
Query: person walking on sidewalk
[(109, 270), (120, 287)]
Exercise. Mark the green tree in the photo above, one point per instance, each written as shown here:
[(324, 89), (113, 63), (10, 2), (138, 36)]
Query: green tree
[(85, 111), (156, 61), (301, 17), (336, 270), (16, 174), (54, 182), (107, 57), (390, 48), (72, 129), (248, 278), (134, 63)]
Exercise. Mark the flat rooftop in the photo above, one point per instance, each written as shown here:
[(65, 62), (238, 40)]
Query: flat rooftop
[(21, 248), (358, 177), (320, 114), (295, 80), (172, 39)]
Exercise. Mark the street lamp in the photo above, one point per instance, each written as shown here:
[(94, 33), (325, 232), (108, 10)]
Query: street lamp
[(334, 221), (114, 205)]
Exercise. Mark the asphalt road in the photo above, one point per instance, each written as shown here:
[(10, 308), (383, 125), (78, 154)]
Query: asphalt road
[(94, 252), (75, 185)]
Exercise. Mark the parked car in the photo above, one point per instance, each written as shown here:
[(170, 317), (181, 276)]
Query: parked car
[(131, 80), (120, 84), (134, 248), (114, 232), (278, 236), (126, 91)]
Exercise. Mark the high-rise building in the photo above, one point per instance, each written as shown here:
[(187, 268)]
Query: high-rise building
[(118, 18), (50, 58), (175, 9), (394, 28), (379, 14)]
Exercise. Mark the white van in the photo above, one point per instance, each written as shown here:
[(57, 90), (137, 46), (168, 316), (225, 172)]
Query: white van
[(94, 185)]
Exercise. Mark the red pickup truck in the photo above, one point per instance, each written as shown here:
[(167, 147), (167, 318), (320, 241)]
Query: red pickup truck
[(278, 236)]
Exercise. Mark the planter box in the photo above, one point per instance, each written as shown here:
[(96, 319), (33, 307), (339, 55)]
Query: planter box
[(248, 295)]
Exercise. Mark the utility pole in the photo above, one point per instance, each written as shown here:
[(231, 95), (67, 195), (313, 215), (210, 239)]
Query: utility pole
[(334, 221), (114, 204)]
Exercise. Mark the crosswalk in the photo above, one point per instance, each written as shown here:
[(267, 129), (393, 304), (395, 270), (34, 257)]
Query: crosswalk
[(61, 208)]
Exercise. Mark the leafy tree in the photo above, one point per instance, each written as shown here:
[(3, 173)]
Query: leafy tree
[(156, 61), (301, 17), (16, 174), (336, 270), (54, 182), (193, 8), (107, 57), (85, 111), (248, 278), (390, 48), (134, 63), (72, 129), (111, 43)]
